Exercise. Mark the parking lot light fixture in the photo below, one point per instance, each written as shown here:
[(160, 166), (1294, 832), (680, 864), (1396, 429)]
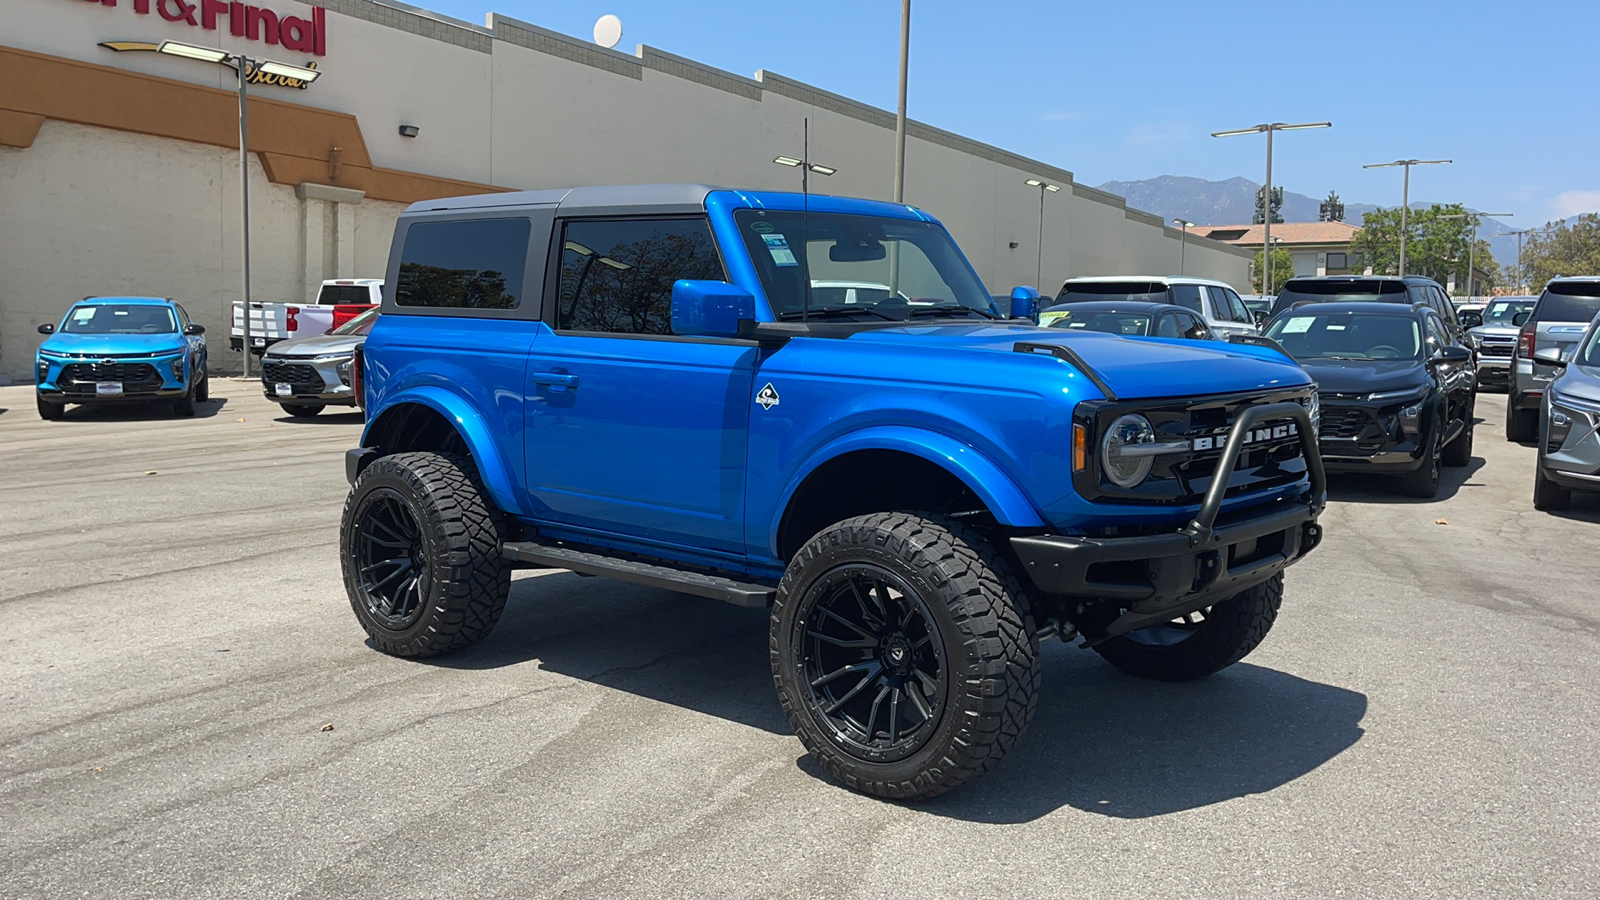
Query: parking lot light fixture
[(788, 161), (1044, 187), (1405, 196), (1472, 246), (1183, 240), (284, 70), (192, 51), (1268, 128)]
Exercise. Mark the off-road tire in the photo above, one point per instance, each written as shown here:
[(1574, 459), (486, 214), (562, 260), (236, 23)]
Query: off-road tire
[(302, 410), (464, 580), (1423, 481), (1522, 425), (1458, 452), (50, 412), (1547, 495), (1231, 629), (989, 664)]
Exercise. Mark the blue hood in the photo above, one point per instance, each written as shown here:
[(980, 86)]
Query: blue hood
[(1132, 367), (114, 344), (1366, 376)]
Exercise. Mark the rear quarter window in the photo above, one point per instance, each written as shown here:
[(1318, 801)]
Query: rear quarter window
[(1568, 303), (463, 264)]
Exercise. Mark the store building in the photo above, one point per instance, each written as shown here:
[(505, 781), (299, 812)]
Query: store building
[(119, 166)]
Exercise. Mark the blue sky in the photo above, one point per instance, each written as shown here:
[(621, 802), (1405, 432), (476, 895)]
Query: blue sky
[(1132, 89)]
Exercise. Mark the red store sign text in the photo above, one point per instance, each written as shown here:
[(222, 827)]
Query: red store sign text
[(249, 22)]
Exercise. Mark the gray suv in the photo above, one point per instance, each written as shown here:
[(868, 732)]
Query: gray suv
[(1495, 338), (1569, 445), (1557, 322)]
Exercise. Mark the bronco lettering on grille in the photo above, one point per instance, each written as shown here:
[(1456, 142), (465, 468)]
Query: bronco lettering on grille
[(1254, 436)]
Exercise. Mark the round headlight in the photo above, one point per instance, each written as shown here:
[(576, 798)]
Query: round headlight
[(1126, 431)]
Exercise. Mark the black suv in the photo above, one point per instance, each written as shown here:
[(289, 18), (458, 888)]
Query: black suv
[(1372, 288), (1396, 389)]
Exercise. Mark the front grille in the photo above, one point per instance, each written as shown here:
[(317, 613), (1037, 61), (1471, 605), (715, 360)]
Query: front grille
[(1184, 477), (299, 376), (81, 378), (1496, 349), (1343, 423)]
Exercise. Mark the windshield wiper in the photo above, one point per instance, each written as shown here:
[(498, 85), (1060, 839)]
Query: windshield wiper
[(834, 312), (954, 309)]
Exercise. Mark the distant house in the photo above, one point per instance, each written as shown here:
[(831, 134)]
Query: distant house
[(1317, 248)]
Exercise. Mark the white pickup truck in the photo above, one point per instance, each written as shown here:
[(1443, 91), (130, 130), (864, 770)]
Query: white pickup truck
[(338, 301)]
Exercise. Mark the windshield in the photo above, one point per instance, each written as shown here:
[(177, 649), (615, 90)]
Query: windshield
[(1103, 321), (1501, 312), (852, 266), (1571, 302), (1590, 354), (1308, 334), (1295, 293), (359, 325), (120, 318)]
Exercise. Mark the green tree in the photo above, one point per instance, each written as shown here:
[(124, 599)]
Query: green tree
[(1562, 250), (1436, 246), (1277, 206), (1332, 209), (1282, 271)]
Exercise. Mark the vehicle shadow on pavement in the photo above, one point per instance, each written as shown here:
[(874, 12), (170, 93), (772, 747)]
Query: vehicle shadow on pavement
[(691, 652), (352, 417), (1108, 743), (152, 411), (1362, 488), (1585, 508)]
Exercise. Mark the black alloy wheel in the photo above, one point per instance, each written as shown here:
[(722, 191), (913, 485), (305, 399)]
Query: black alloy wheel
[(873, 661), (392, 574)]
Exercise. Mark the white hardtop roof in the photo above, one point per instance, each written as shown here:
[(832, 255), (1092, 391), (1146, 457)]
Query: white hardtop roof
[(327, 281)]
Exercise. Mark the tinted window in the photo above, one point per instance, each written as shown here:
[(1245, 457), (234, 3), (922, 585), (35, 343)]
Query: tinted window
[(617, 275), (1435, 333), (1353, 290), (1168, 327), (1572, 302), (1106, 322), (1193, 328), (473, 264), (1188, 297), (1309, 334), (1135, 291), (333, 294), (120, 318), (1241, 312)]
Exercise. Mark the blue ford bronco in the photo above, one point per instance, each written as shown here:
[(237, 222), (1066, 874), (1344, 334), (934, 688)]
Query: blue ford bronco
[(811, 405)]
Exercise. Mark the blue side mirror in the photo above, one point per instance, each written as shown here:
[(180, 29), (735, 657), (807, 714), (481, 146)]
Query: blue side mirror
[(709, 308), (1025, 303)]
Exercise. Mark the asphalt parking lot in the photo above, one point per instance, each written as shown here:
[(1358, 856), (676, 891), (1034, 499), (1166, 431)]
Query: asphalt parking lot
[(1422, 722)]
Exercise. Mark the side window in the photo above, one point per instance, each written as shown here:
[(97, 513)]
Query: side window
[(1186, 296), (464, 264), (183, 316), (1241, 313), (1447, 311), (1219, 302), (1167, 326), (1435, 332), (617, 274), (1194, 329)]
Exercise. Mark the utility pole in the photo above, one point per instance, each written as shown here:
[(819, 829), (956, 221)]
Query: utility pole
[(900, 117), (1472, 246), (1266, 197)]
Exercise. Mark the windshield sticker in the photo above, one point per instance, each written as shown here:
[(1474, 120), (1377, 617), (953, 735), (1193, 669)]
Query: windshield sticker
[(1298, 325), (778, 246), (761, 227), (83, 314), (1334, 326)]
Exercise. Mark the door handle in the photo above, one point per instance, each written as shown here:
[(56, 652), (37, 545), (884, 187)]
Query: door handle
[(557, 379)]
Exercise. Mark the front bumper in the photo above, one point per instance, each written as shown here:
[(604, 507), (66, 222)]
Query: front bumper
[(1570, 443), (1156, 578), (306, 380), (136, 378)]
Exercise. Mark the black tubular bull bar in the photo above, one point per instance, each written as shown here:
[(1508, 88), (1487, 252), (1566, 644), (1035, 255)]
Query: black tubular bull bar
[(1157, 578)]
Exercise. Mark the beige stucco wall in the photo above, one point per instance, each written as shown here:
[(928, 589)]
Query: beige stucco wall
[(87, 210)]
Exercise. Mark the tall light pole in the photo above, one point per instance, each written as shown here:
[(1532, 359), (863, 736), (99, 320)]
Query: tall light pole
[(243, 66), (900, 117), (1472, 246), (1405, 196), (1522, 274), (1183, 240), (1266, 198), (1038, 268)]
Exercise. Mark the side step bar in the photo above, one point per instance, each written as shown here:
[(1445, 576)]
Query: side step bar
[(739, 593)]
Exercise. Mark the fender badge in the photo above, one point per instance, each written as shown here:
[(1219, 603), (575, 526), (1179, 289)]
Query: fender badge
[(768, 398)]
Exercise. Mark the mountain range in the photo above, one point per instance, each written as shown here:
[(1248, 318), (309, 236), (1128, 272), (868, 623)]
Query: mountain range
[(1233, 202)]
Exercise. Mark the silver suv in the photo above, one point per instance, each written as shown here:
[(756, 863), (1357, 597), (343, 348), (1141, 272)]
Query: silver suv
[(1216, 302), (1558, 320), (1495, 338), (1569, 443)]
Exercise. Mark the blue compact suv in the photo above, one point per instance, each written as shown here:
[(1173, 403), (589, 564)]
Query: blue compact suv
[(122, 349), (665, 385)]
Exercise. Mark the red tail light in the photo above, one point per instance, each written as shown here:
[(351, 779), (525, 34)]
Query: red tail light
[(1525, 341), (290, 323), (357, 363)]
